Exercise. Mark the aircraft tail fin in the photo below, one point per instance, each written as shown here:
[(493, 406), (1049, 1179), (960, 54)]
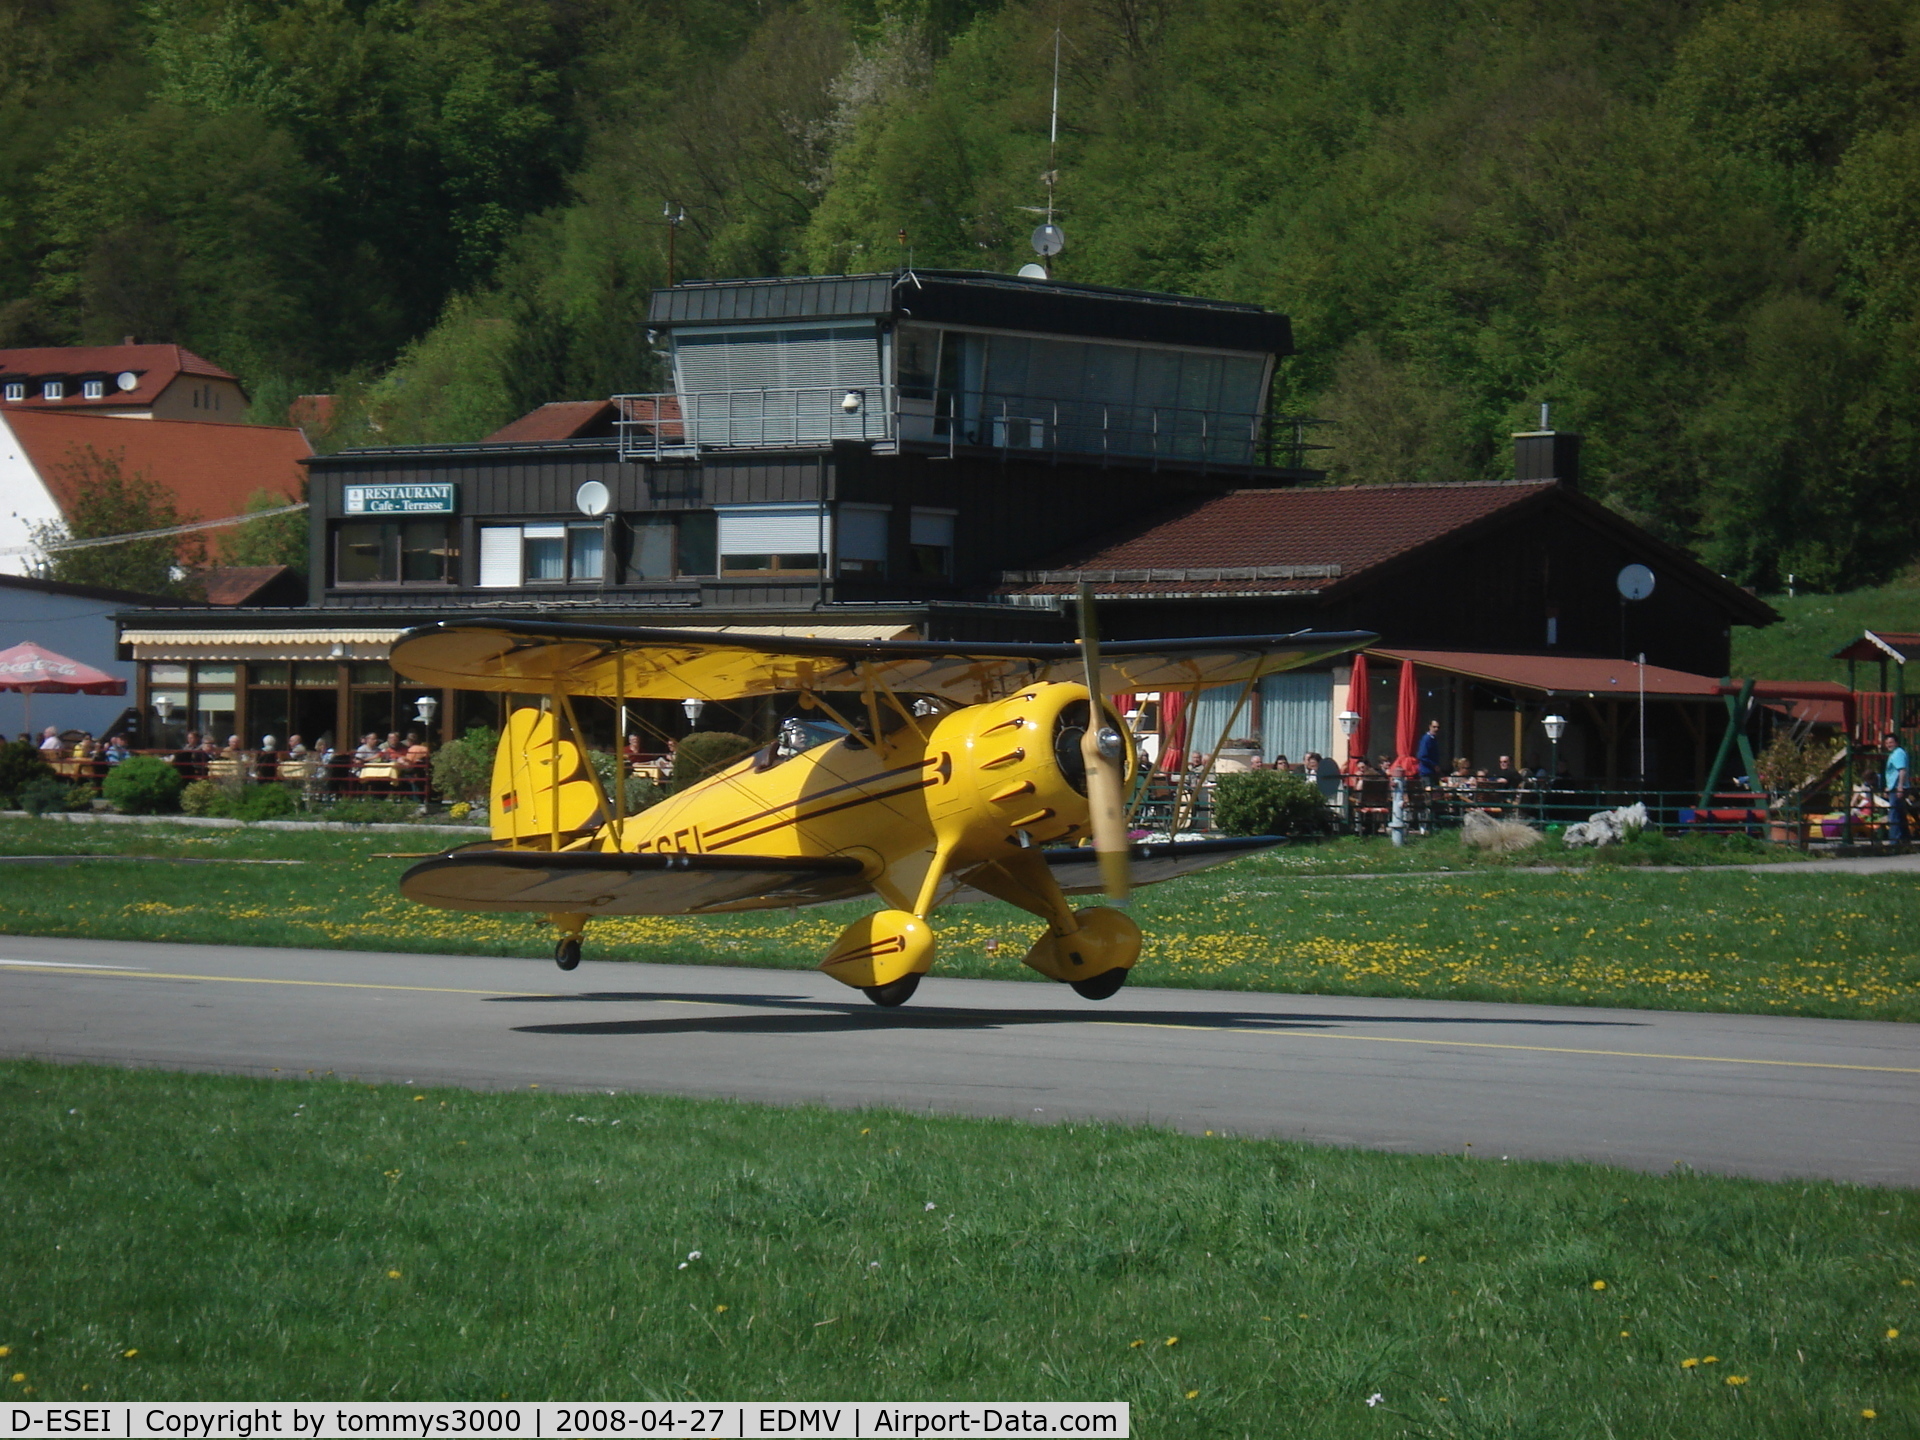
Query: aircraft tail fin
[(540, 782)]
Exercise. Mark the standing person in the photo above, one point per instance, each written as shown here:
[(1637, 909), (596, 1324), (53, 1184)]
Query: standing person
[(1896, 776), (1427, 752)]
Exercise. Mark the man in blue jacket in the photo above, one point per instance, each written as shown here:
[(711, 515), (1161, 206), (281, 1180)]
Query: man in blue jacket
[(1427, 752)]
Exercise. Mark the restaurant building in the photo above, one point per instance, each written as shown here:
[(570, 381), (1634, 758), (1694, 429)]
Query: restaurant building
[(943, 455)]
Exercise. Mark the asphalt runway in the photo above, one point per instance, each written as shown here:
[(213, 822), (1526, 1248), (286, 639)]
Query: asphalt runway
[(1768, 1096)]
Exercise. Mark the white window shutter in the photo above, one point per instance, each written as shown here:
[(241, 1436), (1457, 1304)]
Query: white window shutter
[(862, 533), (770, 530), (500, 557), (932, 527)]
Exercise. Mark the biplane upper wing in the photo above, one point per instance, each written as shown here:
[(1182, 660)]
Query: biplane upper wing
[(536, 657), (598, 882)]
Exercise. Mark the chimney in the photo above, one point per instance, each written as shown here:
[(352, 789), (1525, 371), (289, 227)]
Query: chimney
[(1547, 454)]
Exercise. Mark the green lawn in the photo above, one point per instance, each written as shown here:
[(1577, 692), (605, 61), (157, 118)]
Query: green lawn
[(1812, 627), (1355, 919), (205, 1237)]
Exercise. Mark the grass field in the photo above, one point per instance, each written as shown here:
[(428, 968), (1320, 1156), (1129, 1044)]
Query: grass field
[(1812, 627), (1311, 920), (206, 1237)]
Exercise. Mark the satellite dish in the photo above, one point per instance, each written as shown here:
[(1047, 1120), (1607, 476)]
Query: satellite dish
[(127, 380), (592, 498), (1049, 240), (1635, 582), (1031, 271)]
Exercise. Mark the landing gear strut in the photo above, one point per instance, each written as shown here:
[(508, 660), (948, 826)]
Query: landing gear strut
[(567, 953)]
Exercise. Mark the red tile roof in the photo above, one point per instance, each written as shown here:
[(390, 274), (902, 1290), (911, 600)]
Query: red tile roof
[(1276, 541), (154, 367), (211, 470), (236, 584), (560, 420)]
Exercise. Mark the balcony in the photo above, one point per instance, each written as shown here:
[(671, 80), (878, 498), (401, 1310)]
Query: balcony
[(682, 426)]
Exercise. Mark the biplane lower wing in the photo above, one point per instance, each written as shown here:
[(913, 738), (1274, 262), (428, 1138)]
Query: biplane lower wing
[(598, 882), (1077, 871)]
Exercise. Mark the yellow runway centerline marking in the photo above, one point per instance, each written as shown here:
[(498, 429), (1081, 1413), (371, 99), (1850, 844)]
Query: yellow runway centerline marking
[(1275, 1030), (1496, 1045)]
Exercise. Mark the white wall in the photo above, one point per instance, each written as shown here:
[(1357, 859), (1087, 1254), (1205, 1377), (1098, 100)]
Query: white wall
[(78, 627), (24, 500)]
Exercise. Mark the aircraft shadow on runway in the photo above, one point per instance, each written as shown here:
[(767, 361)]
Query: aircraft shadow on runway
[(797, 1015)]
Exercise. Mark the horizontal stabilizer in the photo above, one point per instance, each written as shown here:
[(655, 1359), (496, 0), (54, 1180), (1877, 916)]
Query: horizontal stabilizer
[(599, 882)]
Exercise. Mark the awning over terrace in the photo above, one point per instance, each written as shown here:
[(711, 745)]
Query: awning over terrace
[(1569, 675)]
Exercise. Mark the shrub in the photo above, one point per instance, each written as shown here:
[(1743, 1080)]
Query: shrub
[(143, 785), (20, 763), (1269, 802), (44, 793), (463, 768), (205, 798), (265, 802), (705, 753), (640, 793)]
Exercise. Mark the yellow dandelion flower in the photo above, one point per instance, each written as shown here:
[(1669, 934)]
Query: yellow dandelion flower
[(1869, 1414), (393, 1274), (128, 1354), (1906, 1282), (1688, 1363), (1626, 1334), (1709, 1359), (719, 1309), (1420, 1260), (20, 1378), (419, 1097), (867, 1131), (1136, 1344), (1193, 1394), (1172, 1340), (1736, 1379), (1892, 1334), (1599, 1284)]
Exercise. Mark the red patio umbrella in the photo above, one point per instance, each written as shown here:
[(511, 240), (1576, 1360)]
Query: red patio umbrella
[(1173, 731), (1406, 719), (31, 670), (1358, 702)]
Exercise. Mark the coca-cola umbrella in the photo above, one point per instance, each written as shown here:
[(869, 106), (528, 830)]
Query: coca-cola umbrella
[(31, 670)]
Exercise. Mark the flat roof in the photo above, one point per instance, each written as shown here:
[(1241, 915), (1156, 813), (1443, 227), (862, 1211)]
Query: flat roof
[(978, 298)]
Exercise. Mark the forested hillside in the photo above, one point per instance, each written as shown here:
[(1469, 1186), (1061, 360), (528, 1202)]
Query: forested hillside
[(1694, 227)]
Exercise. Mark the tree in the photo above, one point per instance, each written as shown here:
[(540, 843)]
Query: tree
[(275, 540), (102, 500)]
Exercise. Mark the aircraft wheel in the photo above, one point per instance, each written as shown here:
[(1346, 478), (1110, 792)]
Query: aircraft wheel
[(894, 992), (1104, 986), (567, 953)]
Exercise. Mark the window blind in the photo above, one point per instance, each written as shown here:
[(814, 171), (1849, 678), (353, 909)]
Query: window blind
[(499, 556), (769, 530), (932, 527), (862, 533)]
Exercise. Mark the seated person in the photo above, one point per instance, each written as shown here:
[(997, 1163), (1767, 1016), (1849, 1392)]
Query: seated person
[(50, 746), (393, 749), (368, 753), (416, 753), (1508, 776), (266, 762), (296, 748), (1460, 777), (116, 751), (232, 750)]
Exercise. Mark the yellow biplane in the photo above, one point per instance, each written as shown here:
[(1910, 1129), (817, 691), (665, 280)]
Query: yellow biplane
[(948, 771)]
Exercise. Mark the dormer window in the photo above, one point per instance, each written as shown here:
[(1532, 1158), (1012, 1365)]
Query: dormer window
[(16, 390), (94, 389), (53, 390)]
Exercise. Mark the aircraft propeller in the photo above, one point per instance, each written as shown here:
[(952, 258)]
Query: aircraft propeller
[(1104, 749)]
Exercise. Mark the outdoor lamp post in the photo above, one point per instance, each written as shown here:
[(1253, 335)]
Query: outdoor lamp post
[(1349, 722), (163, 707), (1555, 726), (424, 709), (693, 706)]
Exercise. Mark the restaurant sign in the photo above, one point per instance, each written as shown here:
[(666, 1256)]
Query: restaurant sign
[(399, 499)]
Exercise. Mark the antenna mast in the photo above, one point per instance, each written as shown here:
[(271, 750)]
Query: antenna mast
[(1049, 240)]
